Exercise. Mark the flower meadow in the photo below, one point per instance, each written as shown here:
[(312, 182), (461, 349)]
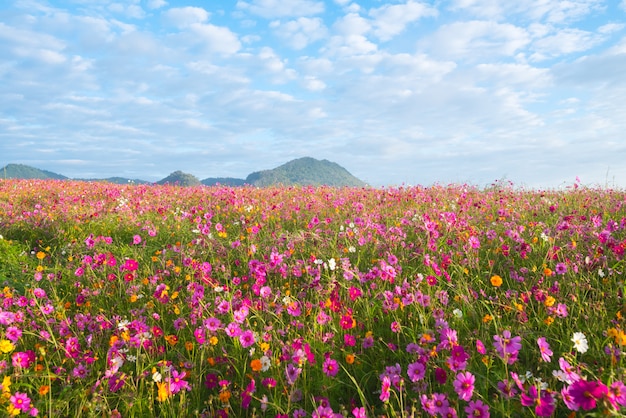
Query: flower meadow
[(144, 300)]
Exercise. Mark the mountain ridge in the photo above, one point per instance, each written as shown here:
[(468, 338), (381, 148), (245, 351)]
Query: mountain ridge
[(304, 171)]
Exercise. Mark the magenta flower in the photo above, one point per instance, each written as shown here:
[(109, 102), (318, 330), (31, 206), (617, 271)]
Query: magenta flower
[(441, 376), (544, 348), (477, 409), (586, 394), (560, 268), (464, 385), (480, 347), (507, 347), (542, 401), (13, 334), (330, 367), (359, 412), (385, 389), (176, 382), (246, 338)]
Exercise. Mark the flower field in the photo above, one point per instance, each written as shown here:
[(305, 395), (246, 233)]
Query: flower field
[(135, 301)]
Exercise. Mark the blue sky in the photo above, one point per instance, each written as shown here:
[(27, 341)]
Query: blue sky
[(397, 92)]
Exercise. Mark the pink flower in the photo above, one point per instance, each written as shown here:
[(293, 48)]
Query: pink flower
[(246, 338), (416, 371), (617, 394), (544, 348), (464, 385), (136, 239), (385, 389), (20, 401)]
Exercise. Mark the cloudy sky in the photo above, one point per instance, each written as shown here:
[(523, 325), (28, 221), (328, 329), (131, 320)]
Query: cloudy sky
[(397, 92)]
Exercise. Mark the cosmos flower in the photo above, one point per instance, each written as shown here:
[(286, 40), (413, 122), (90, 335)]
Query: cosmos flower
[(580, 342)]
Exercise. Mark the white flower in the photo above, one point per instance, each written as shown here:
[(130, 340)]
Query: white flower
[(352, 249), (580, 342), (265, 363), (457, 313), (156, 377), (601, 273), (332, 264)]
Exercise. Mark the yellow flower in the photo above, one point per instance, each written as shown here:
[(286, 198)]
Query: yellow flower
[(6, 346), (549, 320), (496, 280), (163, 391), (549, 301), (6, 384), (133, 298), (213, 340), (41, 255), (264, 346)]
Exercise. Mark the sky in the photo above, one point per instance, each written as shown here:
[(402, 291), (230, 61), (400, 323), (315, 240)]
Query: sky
[(531, 92)]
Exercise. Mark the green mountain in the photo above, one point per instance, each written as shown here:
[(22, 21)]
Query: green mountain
[(224, 181), (304, 172), (178, 178), (21, 171)]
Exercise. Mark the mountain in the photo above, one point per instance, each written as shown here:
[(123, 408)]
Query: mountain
[(304, 172), (178, 178), (224, 181), (21, 171)]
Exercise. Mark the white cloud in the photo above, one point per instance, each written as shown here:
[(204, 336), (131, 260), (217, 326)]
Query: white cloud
[(352, 24), (486, 9), (186, 16), (271, 9), (562, 11), (518, 75), (131, 11), (301, 32), (565, 41), (390, 20), (476, 40), (156, 4), (216, 38)]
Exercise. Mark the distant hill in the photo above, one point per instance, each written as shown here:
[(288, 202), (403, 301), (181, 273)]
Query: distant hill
[(179, 178), (21, 171), (224, 181), (303, 172)]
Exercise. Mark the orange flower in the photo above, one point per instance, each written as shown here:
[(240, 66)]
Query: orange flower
[(256, 365), (44, 389), (349, 358), (496, 280), (547, 272), (171, 339), (41, 255)]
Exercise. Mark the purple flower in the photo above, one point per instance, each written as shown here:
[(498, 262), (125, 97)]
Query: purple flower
[(464, 385), (507, 347), (416, 371), (477, 409), (560, 268), (291, 373)]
